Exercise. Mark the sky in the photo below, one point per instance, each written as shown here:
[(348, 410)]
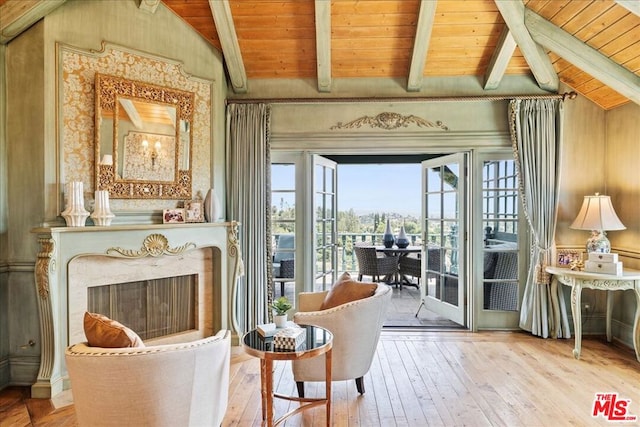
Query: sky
[(384, 188), (381, 188)]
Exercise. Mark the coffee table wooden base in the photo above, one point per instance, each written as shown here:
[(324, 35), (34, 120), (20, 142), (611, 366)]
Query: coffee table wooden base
[(318, 341), (266, 383)]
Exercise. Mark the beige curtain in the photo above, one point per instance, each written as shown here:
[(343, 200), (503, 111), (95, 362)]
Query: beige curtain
[(248, 201), (536, 134)]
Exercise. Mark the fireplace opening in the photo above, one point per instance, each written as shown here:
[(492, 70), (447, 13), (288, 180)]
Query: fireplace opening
[(152, 308)]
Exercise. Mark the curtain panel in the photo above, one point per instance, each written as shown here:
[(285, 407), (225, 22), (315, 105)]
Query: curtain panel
[(248, 201), (536, 136)]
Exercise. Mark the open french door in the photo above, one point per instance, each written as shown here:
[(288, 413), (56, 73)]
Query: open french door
[(444, 237), (325, 222)]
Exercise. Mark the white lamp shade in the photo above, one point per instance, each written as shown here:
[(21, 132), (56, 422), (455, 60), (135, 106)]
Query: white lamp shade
[(597, 214)]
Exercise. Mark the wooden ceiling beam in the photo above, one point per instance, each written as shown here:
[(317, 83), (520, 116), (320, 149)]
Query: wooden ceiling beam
[(513, 14), (632, 6), (225, 27), (421, 44), (17, 16), (323, 44), (499, 60), (583, 56)]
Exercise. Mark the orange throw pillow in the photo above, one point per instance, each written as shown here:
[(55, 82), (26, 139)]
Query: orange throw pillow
[(104, 332), (346, 290)]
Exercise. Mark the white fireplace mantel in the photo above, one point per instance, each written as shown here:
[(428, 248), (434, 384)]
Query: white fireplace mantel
[(60, 245)]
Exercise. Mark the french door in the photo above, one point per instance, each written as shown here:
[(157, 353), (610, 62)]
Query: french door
[(325, 224), (444, 237)]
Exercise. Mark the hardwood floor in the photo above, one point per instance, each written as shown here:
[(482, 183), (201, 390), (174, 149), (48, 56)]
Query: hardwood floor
[(427, 378)]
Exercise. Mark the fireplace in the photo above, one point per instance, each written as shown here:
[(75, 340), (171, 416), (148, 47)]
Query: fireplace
[(155, 308), (169, 283)]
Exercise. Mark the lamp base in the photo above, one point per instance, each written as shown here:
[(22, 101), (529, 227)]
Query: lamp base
[(598, 242)]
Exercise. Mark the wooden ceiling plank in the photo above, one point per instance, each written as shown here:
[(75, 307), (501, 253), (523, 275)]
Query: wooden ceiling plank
[(230, 48), (583, 56), (323, 44), (602, 24), (17, 16), (499, 60), (421, 42), (541, 67), (588, 18), (619, 44), (614, 31), (631, 5)]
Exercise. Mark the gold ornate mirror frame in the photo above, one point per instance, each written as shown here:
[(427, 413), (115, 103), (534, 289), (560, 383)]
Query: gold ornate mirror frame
[(112, 93)]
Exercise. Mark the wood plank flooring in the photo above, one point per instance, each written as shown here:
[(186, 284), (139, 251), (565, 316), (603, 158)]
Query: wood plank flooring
[(433, 378)]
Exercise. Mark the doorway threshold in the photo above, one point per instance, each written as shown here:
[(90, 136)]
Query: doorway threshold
[(401, 313)]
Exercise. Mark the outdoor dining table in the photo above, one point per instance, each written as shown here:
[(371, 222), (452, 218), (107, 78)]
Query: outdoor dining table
[(400, 279)]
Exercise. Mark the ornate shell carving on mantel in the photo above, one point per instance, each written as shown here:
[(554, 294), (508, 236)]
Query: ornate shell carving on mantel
[(389, 121), (154, 245)]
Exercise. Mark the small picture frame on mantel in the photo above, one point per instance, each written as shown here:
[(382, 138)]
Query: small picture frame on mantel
[(194, 210), (173, 216)]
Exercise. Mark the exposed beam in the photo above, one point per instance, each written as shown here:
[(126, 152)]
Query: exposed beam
[(230, 48), (421, 44), (323, 44), (631, 5), (499, 60), (583, 56), (149, 5), (538, 60), (132, 112), (17, 16)]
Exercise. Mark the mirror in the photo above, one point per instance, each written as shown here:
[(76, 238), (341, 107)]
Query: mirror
[(143, 139)]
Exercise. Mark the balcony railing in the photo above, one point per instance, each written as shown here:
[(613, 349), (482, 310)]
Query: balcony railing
[(346, 241)]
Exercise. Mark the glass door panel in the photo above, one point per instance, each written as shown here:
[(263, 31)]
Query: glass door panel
[(444, 222), (325, 222)]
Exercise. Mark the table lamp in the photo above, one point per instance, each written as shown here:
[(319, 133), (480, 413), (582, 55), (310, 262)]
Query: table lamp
[(597, 215)]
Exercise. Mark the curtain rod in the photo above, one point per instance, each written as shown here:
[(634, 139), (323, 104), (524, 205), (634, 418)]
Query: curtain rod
[(564, 96)]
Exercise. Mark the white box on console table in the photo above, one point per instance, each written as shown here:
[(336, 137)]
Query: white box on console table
[(603, 257), (604, 267)]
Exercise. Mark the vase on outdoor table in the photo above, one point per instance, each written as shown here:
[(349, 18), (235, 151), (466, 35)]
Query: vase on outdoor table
[(75, 214), (402, 241), (387, 239)]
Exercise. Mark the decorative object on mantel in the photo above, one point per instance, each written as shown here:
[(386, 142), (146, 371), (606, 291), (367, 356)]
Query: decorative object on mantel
[(402, 241), (174, 216), (102, 214), (75, 214), (194, 210), (387, 239), (597, 214), (212, 206), (389, 121)]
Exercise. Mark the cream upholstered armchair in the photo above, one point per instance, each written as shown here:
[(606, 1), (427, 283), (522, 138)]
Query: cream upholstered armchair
[(356, 328), (165, 385)]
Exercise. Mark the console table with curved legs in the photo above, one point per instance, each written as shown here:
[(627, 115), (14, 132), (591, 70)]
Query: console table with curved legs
[(578, 280)]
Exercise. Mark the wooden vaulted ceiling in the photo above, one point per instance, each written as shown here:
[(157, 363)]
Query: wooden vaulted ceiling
[(384, 38), (593, 46)]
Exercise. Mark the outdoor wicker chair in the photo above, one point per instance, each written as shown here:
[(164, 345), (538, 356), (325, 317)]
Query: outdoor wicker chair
[(285, 273), (410, 266), (380, 268)]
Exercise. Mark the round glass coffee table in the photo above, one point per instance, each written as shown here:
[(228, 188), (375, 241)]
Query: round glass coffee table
[(318, 341)]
